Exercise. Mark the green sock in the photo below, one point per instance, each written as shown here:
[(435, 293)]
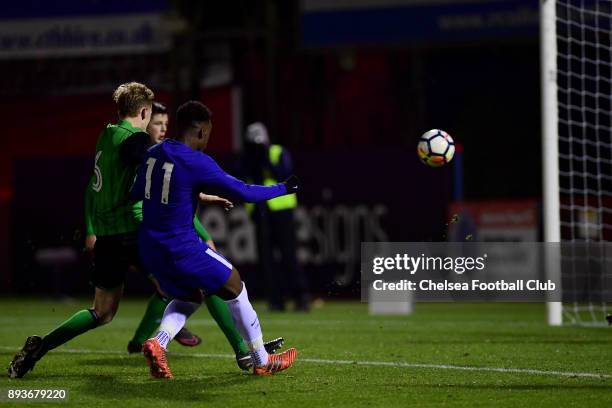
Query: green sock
[(220, 312), (151, 319), (79, 323)]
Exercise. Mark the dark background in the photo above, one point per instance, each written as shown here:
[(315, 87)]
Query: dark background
[(348, 90)]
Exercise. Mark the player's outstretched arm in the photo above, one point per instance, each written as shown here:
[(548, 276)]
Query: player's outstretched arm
[(210, 174), (213, 199)]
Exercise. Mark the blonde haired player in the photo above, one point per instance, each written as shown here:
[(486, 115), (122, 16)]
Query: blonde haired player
[(112, 223)]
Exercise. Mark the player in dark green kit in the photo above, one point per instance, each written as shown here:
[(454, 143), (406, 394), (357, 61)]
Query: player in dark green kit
[(112, 224)]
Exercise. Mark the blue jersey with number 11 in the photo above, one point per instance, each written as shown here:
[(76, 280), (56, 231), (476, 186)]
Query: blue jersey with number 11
[(169, 180)]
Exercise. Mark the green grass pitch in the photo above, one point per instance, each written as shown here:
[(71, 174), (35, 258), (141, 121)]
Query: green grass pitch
[(459, 355)]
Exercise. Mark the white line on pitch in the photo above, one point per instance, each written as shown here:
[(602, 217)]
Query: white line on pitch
[(398, 364), (129, 321)]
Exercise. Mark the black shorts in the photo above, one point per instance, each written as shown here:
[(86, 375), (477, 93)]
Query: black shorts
[(114, 255)]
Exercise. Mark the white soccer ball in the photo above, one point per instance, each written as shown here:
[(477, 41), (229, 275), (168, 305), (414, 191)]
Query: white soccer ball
[(436, 148)]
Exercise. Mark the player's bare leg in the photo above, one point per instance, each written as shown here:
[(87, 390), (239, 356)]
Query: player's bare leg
[(235, 294), (105, 305)]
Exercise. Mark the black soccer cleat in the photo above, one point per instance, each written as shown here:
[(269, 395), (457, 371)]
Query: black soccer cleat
[(25, 360), (609, 319), (245, 362), (273, 345)]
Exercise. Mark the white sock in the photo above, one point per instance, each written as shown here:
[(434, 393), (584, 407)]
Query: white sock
[(163, 337), (247, 323), (176, 314)]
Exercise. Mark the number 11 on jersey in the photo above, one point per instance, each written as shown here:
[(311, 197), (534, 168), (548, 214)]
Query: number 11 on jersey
[(168, 167)]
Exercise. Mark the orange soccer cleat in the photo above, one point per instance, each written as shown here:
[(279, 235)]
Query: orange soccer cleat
[(277, 362), (156, 359)]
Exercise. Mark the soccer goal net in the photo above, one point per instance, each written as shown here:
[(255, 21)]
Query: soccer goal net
[(576, 40)]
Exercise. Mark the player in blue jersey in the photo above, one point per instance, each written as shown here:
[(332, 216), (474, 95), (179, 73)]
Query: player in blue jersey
[(169, 181)]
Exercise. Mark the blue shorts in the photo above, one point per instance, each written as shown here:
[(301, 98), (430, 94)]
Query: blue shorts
[(180, 271)]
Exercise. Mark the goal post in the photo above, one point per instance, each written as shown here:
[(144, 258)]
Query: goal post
[(576, 85), (550, 146)]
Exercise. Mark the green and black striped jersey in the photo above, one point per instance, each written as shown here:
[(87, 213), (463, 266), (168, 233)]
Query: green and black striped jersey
[(108, 210)]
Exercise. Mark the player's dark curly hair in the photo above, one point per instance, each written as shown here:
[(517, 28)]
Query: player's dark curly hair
[(191, 115)]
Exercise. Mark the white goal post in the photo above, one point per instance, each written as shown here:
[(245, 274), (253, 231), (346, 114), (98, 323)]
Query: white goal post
[(550, 148), (576, 80)]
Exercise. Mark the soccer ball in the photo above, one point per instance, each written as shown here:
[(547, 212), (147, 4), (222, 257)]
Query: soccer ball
[(436, 148)]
